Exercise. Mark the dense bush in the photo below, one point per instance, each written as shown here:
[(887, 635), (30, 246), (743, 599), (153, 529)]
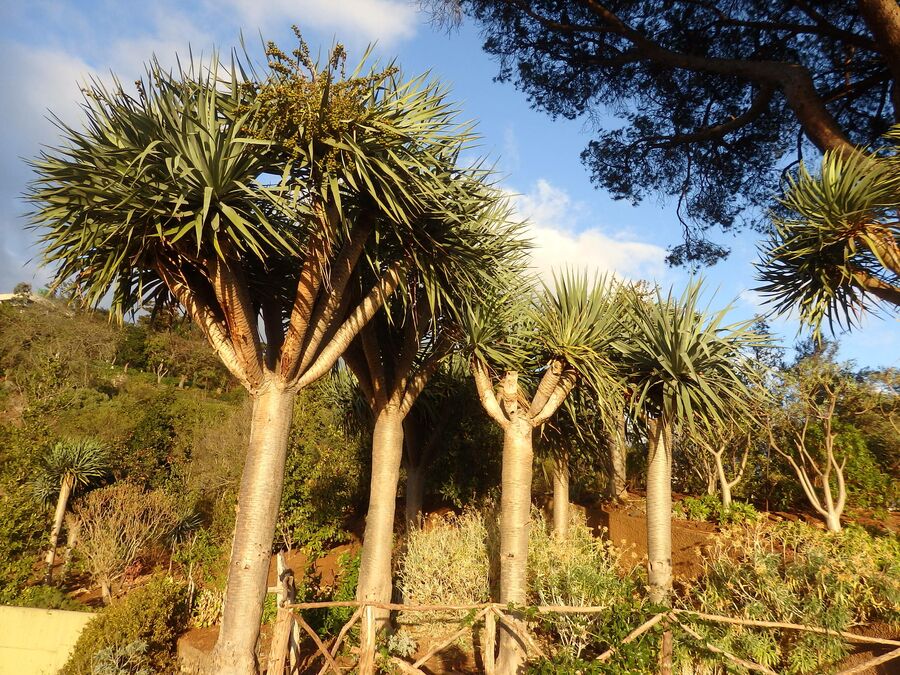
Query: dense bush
[(445, 563), (580, 570), (46, 597), (325, 477), (795, 573), (710, 508), (154, 615), (24, 525)]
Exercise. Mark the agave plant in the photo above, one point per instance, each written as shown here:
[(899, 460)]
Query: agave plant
[(835, 249), (253, 202), (68, 466), (686, 368)]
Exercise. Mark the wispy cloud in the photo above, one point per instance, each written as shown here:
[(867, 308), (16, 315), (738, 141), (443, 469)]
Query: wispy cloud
[(561, 236), (386, 21)]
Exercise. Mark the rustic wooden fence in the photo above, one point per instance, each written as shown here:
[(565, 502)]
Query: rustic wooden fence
[(286, 656)]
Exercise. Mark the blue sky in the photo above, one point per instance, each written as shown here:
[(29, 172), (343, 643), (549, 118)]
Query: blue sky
[(48, 47)]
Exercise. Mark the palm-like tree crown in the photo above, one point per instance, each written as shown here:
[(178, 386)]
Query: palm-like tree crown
[(836, 243), (84, 461), (683, 363)]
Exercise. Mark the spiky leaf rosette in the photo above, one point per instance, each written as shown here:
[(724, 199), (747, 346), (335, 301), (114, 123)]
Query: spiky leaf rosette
[(84, 460), (684, 363), (201, 165), (835, 250)]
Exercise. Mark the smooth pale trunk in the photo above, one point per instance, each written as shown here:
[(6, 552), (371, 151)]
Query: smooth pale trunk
[(832, 517), (378, 541), (515, 516), (724, 485), (415, 494), (561, 497), (254, 532), (659, 513), (618, 487), (65, 491)]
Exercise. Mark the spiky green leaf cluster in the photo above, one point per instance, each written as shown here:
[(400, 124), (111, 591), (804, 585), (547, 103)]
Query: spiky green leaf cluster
[(84, 460), (835, 249), (259, 169), (684, 363)]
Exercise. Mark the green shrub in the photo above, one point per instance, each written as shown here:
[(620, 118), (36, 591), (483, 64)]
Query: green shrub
[(154, 614), (47, 597), (324, 478), (121, 660), (795, 573), (710, 508), (445, 563), (581, 570), (329, 621)]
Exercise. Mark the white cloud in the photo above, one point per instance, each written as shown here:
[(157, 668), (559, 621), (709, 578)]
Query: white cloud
[(559, 240), (384, 20)]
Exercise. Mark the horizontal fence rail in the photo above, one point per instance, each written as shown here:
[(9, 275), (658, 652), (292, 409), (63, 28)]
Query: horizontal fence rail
[(285, 656)]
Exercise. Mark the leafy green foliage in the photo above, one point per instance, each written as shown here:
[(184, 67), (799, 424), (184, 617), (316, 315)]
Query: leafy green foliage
[(325, 476), (710, 508), (581, 570), (329, 620), (684, 363), (795, 573), (835, 249), (154, 614), (47, 597)]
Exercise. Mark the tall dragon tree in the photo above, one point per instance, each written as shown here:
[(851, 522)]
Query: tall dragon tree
[(527, 353), (686, 369), (250, 200)]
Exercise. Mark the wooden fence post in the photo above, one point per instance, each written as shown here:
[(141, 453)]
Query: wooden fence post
[(367, 642), (665, 653), (489, 642), (281, 640)]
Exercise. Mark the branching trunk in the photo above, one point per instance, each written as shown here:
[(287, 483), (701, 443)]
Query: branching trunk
[(257, 511), (515, 517), (659, 511), (65, 491), (561, 508)]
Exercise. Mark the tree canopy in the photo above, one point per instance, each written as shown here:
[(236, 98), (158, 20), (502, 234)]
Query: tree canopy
[(704, 101)]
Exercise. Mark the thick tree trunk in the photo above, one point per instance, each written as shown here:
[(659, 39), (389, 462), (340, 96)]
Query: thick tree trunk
[(724, 485), (375, 566), (561, 497), (65, 491), (254, 531), (515, 516), (659, 512), (415, 494), (106, 591), (618, 487)]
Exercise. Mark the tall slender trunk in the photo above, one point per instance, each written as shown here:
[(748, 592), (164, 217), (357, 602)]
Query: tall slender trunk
[(254, 531), (618, 487), (561, 497), (515, 516), (659, 511), (387, 452), (724, 485), (375, 566), (65, 491), (415, 494)]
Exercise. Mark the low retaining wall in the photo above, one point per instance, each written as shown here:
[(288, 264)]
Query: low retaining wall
[(37, 641)]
